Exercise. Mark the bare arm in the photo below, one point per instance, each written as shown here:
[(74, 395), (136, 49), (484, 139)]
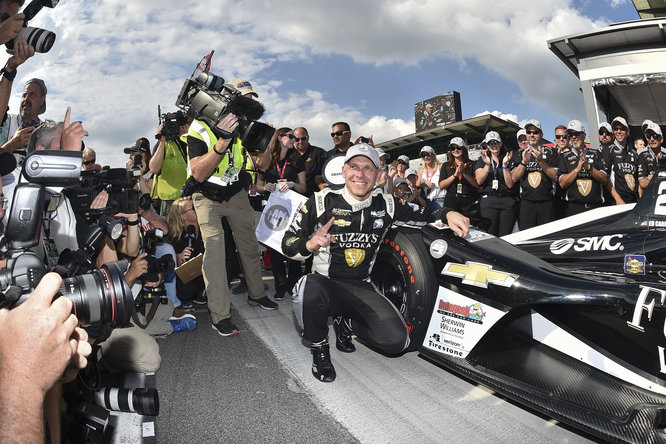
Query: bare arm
[(157, 158)]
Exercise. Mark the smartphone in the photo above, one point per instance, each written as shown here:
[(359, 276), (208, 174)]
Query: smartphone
[(364, 139)]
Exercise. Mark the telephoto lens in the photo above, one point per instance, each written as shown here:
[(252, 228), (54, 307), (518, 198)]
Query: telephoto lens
[(102, 296), (144, 401)]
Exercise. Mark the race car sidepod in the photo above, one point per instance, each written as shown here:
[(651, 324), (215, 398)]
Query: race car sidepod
[(589, 351)]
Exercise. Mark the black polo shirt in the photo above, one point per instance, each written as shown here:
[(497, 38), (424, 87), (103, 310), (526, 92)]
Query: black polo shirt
[(584, 189)]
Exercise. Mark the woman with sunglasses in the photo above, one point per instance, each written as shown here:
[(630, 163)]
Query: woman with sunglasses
[(457, 179), (498, 202), (187, 245), (286, 171), (428, 179)]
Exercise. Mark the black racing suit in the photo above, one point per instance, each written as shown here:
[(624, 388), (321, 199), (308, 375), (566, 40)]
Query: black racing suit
[(340, 284)]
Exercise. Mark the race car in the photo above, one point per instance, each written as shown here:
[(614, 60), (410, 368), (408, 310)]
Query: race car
[(586, 347), (627, 239)]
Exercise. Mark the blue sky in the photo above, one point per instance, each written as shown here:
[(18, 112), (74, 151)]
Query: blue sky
[(312, 62)]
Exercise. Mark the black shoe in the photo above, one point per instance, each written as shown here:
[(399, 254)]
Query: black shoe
[(279, 296), (225, 327), (186, 305), (264, 303), (241, 287), (343, 335), (322, 367)]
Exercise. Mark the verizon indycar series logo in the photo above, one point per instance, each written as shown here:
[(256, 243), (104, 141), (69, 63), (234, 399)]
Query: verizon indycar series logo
[(611, 242)]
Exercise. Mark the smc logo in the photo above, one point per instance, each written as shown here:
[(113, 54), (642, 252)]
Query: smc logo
[(597, 243)]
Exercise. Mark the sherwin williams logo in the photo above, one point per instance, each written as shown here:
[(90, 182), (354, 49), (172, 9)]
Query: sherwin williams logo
[(596, 243), (354, 257)]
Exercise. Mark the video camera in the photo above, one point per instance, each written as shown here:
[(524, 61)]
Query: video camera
[(40, 39), (99, 297), (209, 99)]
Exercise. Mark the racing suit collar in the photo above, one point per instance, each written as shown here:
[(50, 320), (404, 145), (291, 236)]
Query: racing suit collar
[(355, 203)]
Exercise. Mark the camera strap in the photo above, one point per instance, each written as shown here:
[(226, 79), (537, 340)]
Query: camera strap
[(149, 316)]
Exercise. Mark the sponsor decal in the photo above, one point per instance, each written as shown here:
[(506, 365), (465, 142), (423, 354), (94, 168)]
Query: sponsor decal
[(381, 213), (534, 179), (354, 257), (304, 209), (479, 275), (631, 181), (290, 241), (276, 218), (410, 270), (378, 223), (341, 212), (438, 248), (472, 313), (458, 323), (610, 242), (657, 223), (341, 222), (660, 202), (634, 264), (584, 186), (642, 315), (477, 235), (356, 240)]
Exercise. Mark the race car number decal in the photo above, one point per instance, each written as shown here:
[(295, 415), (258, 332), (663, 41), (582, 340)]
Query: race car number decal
[(660, 202), (659, 297), (458, 323)]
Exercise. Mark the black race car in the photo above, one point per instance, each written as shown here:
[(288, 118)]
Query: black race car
[(582, 339)]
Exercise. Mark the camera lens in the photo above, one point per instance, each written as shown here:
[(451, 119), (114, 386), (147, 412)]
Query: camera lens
[(101, 296), (40, 39), (144, 401)]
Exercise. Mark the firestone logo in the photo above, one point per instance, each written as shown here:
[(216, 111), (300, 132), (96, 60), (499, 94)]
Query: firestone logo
[(596, 243)]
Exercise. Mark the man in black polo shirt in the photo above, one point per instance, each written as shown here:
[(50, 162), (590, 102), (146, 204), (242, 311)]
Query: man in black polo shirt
[(621, 161), (312, 157), (341, 135), (535, 167), (582, 172), (648, 160)]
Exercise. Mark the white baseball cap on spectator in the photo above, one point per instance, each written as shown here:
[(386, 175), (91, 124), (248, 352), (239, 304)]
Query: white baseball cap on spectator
[(382, 153), (457, 141), (607, 126), (403, 158), (399, 180), (521, 132), (492, 135), (619, 120), (427, 149), (533, 122), (575, 126), (410, 171), (651, 126)]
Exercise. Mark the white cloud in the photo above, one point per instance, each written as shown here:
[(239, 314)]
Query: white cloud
[(500, 114), (115, 60)]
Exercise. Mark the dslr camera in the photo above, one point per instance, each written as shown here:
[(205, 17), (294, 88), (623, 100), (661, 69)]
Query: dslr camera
[(40, 39), (209, 98), (102, 296)]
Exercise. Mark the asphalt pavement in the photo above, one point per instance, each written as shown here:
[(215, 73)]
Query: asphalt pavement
[(257, 387)]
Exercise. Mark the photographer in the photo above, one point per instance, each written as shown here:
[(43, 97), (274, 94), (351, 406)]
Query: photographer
[(169, 161), (211, 157), (38, 341)]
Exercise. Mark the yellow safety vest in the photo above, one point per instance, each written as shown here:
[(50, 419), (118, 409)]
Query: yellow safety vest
[(173, 174)]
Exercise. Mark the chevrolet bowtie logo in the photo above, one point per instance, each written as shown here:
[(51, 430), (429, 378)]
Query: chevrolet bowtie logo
[(480, 275)]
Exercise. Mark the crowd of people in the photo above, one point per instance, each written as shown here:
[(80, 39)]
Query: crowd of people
[(536, 183), (214, 222)]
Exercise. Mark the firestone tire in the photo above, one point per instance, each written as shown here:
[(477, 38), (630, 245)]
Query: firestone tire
[(404, 273)]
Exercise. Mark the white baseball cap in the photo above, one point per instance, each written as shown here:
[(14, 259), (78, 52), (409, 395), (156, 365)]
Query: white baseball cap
[(363, 149), (427, 149), (620, 120), (492, 135), (575, 126), (651, 126), (404, 158), (410, 171), (533, 122), (457, 141)]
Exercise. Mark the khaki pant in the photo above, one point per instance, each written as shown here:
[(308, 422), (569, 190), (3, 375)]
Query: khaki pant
[(240, 216), (130, 349)]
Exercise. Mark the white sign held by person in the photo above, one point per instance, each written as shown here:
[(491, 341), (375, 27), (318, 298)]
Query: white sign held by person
[(278, 214)]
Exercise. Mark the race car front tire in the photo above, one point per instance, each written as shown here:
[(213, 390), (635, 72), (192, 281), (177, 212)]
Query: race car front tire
[(404, 273)]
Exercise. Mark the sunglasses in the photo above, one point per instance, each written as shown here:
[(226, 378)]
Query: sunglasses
[(533, 131), (604, 133), (493, 143), (575, 134), (455, 148), (338, 133), (561, 136), (402, 162), (301, 139), (652, 135), (426, 154), (291, 136), (89, 162)]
